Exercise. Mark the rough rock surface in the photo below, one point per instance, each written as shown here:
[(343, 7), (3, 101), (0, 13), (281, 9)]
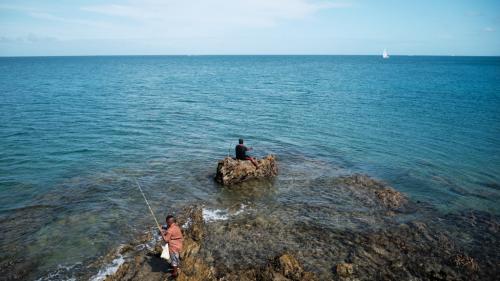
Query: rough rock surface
[(344, 269), (146, 265), (404, 246), (231, 171), (386, 195)]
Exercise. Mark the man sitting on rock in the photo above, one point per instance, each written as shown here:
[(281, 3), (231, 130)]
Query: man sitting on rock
[(241, 153), (173, 236)]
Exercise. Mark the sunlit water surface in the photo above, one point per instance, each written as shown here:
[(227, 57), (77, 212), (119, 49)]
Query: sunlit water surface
[(76, 131)]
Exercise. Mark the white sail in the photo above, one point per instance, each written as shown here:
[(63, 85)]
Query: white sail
[(385, 55)]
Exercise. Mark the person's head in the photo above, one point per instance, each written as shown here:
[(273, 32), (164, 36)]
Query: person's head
[(170, 220), (240, 141)]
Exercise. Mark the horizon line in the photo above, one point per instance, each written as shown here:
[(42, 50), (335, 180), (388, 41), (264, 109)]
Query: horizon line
[(229, 55)]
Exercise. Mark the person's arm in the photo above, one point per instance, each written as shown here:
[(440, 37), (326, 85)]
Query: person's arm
[(166, 236)]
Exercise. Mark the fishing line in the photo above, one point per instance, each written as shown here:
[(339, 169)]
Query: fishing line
[(165, 253), (149, 206)]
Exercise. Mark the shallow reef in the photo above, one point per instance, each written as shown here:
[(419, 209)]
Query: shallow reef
[(402, 241)]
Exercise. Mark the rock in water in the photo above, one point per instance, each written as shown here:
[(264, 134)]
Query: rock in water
[(344, 269), (231, 171), (145, 265), (386, 195)]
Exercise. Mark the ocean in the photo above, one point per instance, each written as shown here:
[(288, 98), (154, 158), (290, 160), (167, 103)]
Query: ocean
[(77, 131)]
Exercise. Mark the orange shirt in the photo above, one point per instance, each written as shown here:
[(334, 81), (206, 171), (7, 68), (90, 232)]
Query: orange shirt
[(173, 236)]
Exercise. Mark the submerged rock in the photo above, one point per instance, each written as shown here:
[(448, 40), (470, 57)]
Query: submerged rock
[(146, 264), (390, 198), (424, 245), (231, 171), (344, 269), (385, 195), (283, 267), (466, 262)]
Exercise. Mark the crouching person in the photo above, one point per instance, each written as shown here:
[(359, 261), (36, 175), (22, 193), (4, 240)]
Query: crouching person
[(173, 236)]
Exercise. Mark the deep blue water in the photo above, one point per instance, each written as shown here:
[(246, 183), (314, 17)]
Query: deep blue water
[(75, 130)]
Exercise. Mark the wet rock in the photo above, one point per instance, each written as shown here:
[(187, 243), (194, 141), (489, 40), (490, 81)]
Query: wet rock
[(18, 269), (147, 264), (385, 195), (231, 171), (283, 267), (195, 266), (361, 180), (415, 249), (119, 274), (466, 262), (126, 248), (289, 267), (345, 269), (391, 198)]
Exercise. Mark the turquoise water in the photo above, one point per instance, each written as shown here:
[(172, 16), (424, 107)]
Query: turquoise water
[(75, 131)]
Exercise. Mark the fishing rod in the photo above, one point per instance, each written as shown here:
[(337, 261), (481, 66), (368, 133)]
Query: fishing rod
[(165, 251), (149, 206)]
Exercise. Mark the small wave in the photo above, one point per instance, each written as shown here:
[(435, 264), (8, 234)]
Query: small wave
[(109, 269), (63, 272), (187, 224), (214, 215), (211, 215)]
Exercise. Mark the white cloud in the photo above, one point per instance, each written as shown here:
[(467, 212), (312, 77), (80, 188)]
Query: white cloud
[(29, 38), (51, 17), (489, 29), (202, 17), (169, 19), (164, 26)]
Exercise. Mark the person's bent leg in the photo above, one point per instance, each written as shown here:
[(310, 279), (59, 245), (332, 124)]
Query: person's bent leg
[(254, 162)]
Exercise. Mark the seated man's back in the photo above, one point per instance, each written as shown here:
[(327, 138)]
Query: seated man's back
[(241, 152)]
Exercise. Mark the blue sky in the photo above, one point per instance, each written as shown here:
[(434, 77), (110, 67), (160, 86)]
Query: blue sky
[(113, 27)]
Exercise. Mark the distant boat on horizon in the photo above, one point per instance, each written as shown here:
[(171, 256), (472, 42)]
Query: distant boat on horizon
[(385, 55)]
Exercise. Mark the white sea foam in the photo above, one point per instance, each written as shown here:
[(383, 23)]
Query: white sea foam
[(210, 215), (187, 224), (150, 245), (63, 272), (109, 269), (214, 215), (241, 210)]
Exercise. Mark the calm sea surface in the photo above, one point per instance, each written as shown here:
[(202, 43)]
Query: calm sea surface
[(76, 131)]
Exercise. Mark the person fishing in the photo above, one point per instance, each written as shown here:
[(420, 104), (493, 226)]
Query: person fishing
[(173, 236), (241, 153)]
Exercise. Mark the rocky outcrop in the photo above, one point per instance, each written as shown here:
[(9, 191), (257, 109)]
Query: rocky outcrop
[(193, 266), (403, 246), (284, 267), (466, 262), (344, 269), (146, 264), (231, 171), (387, 196)]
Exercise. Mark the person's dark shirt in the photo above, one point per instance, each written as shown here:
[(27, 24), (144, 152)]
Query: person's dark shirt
[(241, 152)]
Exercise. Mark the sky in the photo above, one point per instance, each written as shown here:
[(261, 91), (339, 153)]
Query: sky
[(232, 27)]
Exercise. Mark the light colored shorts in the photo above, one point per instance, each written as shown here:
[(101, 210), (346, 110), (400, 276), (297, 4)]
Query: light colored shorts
[(175, 259)]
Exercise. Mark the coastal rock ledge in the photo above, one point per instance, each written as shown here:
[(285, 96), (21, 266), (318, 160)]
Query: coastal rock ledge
[(231, 171), (142, 264)]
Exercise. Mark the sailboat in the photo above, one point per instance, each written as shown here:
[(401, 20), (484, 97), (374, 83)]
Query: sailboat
[(385, 55)]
